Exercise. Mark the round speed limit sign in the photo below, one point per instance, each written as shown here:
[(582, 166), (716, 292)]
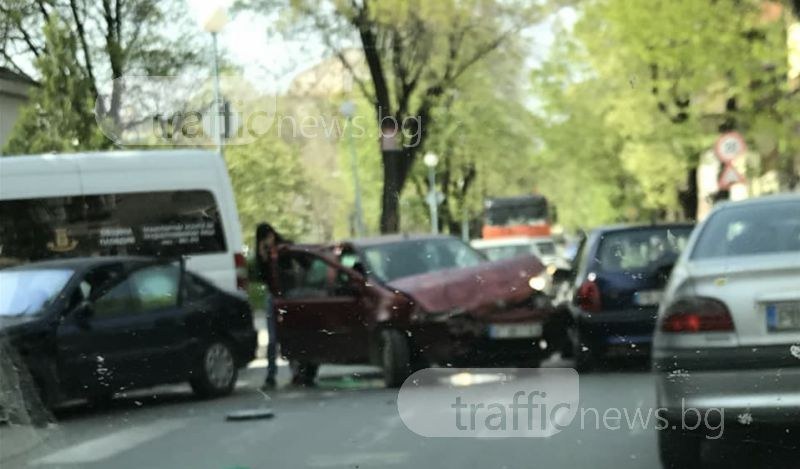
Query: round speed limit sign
[(730, 146)]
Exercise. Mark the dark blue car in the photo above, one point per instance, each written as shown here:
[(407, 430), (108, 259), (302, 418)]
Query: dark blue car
[(614, 289), (91, 327)]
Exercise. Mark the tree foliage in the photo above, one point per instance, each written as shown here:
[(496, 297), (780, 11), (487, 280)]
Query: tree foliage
[(270, 185), (416, 52), (60, 116), (109, 39), (650, 85)]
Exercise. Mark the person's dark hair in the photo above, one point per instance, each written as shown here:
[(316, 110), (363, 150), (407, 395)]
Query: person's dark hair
[(263, 230)]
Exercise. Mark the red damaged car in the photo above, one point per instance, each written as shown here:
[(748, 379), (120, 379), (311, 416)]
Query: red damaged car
[(407, 302)]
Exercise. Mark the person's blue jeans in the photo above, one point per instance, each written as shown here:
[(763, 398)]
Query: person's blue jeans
[(272, 346)]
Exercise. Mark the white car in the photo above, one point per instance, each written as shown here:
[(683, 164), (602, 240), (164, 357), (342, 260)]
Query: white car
[(543, 248), (727, 339)]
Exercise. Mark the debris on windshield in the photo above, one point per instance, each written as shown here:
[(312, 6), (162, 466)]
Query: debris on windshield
[(745, 418), (795, 351)]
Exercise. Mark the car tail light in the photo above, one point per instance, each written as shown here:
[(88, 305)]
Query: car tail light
[(240, 262), (588, 297), (697, 315)]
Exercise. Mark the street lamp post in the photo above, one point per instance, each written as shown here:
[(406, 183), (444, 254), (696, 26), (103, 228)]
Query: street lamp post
[(213, 16), (431, 160), (348, 110)]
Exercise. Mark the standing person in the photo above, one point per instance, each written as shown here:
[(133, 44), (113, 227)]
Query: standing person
[(267, 241)]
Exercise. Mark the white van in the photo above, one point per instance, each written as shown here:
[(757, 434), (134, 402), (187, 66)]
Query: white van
[(160, 203)]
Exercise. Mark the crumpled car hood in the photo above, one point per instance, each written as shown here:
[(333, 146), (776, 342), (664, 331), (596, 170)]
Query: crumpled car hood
[(489, 284)]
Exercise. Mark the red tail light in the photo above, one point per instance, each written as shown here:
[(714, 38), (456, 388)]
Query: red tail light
[(240, 262), (588, 297), (697, 315)]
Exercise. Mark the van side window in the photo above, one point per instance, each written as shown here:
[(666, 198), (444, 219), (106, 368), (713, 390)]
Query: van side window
[(159, 223)]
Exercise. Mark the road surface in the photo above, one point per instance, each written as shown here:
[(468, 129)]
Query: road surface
[(348, 421)]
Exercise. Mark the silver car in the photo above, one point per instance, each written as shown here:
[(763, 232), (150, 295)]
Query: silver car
[(727, 344)]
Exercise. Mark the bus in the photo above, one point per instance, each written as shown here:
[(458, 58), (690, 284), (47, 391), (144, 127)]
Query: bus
[(527, 215)]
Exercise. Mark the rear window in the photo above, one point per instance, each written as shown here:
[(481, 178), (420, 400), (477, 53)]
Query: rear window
[(496, 253), (164, 223), (640, 250), (743, 231)]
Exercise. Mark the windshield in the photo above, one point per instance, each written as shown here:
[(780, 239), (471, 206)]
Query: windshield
[(30, 291), (748, 231), (520, 213), (403, 259), (496, 253), (640, 250)]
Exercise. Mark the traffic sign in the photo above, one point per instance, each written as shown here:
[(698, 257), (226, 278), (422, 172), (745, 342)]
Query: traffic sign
[(729, 177), (730, 146)]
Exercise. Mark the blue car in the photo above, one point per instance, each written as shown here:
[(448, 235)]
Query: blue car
[(614, 288)]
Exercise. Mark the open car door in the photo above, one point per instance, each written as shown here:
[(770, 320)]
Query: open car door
[(321, 309)]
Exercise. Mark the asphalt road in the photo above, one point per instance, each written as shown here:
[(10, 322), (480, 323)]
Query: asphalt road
[(348, 421)]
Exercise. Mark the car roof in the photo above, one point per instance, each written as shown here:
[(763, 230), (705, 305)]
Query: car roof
[(634, 227), (762, 200), (82, 263), (510, 241), (394, 238)]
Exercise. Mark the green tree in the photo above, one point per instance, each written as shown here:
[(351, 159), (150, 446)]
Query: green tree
[(415, 53), (112, 38), (59, 117), (663, 79), (270, 186)]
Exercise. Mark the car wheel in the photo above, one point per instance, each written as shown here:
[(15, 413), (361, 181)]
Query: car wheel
[(679, 449), (395, 357), (216, 374), (303, 373)]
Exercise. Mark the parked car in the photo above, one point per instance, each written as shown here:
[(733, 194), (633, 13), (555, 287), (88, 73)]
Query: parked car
[(405, 302), (615, 288), (163, 203), (728, 334), (544, 248), (90, 327)]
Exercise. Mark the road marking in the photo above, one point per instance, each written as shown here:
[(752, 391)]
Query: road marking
[(109, 445), (357, 459)]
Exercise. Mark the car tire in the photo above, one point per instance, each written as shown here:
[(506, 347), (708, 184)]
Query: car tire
[(216, 373), (304, 373), (679, 449), (395, 357)]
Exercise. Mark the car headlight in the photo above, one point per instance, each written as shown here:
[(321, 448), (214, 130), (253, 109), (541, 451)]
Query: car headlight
[(538, 283)]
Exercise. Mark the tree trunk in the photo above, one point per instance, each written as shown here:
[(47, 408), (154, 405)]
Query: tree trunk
[(396, 166), (688, 197)]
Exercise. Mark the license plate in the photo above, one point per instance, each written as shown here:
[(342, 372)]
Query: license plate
[(648, 297), (514, 331), (784, 316)]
